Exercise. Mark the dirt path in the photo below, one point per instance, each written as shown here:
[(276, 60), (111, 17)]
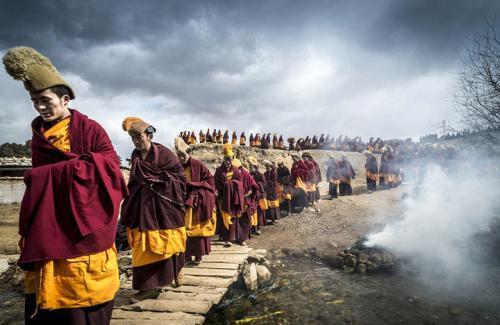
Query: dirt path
[(339, 223)]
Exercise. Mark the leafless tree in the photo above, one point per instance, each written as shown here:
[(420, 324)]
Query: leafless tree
[(479, 84)]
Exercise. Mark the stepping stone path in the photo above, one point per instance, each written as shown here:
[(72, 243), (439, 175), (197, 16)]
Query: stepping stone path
[(204, 286)]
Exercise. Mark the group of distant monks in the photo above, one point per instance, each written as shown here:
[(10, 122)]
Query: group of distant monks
[(340, 173), (390, 174), (248, 199), (266, 141)]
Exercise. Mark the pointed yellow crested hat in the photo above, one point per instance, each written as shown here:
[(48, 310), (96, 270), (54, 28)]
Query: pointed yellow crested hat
[(228, 150)]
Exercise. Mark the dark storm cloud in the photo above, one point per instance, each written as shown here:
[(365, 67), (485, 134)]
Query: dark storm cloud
[(176, 51), (335, 60), (434, 29)]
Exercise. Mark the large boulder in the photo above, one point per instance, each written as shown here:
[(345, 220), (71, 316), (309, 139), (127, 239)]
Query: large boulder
[(263, 274), (250, 276)]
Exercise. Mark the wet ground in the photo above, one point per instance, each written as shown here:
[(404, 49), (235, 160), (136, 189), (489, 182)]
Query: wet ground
[(306, 291), (11, 306)]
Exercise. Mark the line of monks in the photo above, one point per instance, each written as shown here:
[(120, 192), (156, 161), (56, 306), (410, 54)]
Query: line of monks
[(266, 141), (176, 204)]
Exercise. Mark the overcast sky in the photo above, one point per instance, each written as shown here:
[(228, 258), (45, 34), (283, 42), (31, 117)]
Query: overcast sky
[(367, 68)]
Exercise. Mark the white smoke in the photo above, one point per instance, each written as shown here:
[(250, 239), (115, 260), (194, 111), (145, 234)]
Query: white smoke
[(442, 221)]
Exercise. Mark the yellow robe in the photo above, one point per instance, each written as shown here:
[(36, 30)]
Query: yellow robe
[(77, 282), (193, 227), (155, 245)]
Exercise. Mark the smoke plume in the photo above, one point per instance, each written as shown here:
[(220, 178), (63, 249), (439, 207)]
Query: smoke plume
[(446, 218)]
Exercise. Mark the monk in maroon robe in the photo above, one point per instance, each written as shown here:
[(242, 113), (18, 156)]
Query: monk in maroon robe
[(271, 177), (260, 194), (69, 210), (230, 200), (250, 189), (299, 173), (154, 212)]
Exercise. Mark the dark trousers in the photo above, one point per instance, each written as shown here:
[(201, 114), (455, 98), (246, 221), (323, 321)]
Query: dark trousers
[(371, 185), (273, 214), (332, 189), (345, 188)]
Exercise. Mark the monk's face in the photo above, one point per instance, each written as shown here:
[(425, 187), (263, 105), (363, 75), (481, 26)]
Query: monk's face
[(228, 162), (254, 168), (183, 157), (142, 142), (50, 106)]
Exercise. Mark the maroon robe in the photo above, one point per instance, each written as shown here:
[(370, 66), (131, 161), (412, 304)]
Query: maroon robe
[(71, 203), (249, 185), (260, 194), (231, 197), (157, 188), (272, 193), (201, 197), (200, 190), (271, 185), (299, 169), (318, 179)]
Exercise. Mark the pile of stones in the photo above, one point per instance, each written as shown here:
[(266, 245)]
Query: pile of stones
[(256, 270), (362, 259)]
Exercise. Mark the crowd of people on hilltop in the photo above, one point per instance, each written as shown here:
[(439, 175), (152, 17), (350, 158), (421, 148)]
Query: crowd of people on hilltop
[(273, 141)]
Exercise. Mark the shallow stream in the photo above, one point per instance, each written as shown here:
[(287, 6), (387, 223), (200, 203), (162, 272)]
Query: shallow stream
[(305, 291)]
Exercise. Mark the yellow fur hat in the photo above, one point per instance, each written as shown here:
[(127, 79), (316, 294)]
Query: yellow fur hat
[(182, 146), (228, 150), (268, 163), (33, 69), (307, 154), (252, 161), (237, 162), (135, 125)]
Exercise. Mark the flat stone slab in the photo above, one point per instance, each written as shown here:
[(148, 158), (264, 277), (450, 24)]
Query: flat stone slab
[(231, 250), (211, 282), (191, 296), (210, 265), (123, 297), (201, 271), (162, 305), (196, 289), (225, 258), (146, 317)]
